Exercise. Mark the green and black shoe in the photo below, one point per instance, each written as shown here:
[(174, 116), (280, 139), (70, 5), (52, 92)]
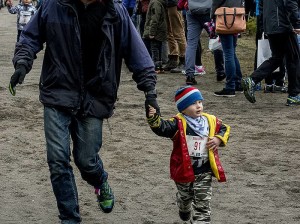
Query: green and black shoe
[(248, 87), (106, 199)]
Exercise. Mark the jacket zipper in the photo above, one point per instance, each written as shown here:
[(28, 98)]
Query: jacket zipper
[(78, 31)]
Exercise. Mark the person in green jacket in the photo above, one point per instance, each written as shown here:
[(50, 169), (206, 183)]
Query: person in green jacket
[(156, 30), (196, 138)]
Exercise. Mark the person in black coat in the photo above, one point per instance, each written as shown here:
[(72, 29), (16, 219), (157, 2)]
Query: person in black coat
[(282, 24)]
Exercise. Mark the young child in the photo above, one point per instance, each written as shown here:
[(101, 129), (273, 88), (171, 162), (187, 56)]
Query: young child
[(25, 10), (156, 30), (194, 134)]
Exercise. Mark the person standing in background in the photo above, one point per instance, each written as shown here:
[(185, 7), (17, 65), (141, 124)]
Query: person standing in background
[(176, 36), (282, 24)]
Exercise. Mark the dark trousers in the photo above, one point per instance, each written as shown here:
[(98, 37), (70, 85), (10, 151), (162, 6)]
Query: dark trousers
[(278, 77), (283, 45), (156, 49)]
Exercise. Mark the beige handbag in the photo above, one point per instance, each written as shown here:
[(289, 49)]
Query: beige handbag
[(230, 20)]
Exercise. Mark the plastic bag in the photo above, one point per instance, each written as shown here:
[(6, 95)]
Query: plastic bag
[(263, 51), (214, 44)]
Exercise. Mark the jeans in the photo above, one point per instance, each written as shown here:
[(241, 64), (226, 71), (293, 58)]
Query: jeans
[(176, 36), (86, 134), (283, 45), (156, 52), (195, 25), (232, 64)]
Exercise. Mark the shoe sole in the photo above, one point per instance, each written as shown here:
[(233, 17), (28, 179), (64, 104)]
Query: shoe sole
[(224, 95), (200, 74), (246, 92), (107, 209)]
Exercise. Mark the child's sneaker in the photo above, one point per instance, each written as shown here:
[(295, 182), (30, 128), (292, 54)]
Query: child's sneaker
[(105, 197), (199, 70), (293, 100)]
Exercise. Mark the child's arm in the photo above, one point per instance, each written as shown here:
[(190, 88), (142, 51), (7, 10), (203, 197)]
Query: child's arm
[(12, 9), (161, 127), (223, 133)]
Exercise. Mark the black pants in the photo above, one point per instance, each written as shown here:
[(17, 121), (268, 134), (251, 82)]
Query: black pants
[(277, 76), (283, 45), (156, 49)]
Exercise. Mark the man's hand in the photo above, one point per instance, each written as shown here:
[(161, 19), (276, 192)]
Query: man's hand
[(17, 78), (151, 100)]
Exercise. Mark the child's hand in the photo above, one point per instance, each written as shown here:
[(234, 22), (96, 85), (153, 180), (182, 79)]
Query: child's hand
[(152, 111), (8, 3), (213, 143)]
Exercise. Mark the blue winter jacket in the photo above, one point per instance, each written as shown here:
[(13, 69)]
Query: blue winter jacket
[(62, 79)]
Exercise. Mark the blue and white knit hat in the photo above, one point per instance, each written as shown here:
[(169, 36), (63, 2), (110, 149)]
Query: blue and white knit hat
[(186, 96)]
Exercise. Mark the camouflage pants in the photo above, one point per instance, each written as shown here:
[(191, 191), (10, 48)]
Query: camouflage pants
[(195, 197)]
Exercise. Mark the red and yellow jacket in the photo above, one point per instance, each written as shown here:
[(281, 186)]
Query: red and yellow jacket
[(181, 169)]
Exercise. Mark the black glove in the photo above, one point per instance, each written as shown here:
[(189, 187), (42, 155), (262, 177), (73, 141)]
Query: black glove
[(151, 100), (17, 78)]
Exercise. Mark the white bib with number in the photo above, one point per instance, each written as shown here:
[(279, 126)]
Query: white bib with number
[(197, 146)]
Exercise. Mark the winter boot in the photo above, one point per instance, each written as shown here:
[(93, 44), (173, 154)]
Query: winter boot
[(172, 63), (180, 66)]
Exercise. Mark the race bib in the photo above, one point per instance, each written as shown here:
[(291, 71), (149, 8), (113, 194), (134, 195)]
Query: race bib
[(197, 146), (24, 17)]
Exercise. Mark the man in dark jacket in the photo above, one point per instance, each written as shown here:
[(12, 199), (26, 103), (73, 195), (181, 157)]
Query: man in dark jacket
[(86, 41), (281, 24)]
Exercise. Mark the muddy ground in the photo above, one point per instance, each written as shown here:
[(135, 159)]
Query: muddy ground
[(261, 160)]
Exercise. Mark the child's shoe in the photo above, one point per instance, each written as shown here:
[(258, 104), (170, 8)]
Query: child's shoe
[(199, 70)]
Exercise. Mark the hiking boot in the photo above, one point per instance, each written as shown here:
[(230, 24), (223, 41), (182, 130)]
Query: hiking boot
[(190, 80), (225, 93), (185, 216), (221, 77), (105, 198), (172, 63), (180, 66), (248, 87), (279, 89), (199, 70), (293, 100), (268, 89)]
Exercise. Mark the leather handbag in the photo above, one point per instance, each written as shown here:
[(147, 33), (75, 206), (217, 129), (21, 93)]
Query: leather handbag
[(230, 20)]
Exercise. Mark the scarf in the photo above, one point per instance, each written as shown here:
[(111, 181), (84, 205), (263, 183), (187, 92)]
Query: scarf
[(199, 125)]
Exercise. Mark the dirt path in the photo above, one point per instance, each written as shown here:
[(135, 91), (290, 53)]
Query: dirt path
[(261, 160)]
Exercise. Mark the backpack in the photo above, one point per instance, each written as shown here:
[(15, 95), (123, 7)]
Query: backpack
[(199, 7)]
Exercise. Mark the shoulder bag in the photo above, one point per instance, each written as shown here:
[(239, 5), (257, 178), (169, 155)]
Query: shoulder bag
[(230, 20)]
